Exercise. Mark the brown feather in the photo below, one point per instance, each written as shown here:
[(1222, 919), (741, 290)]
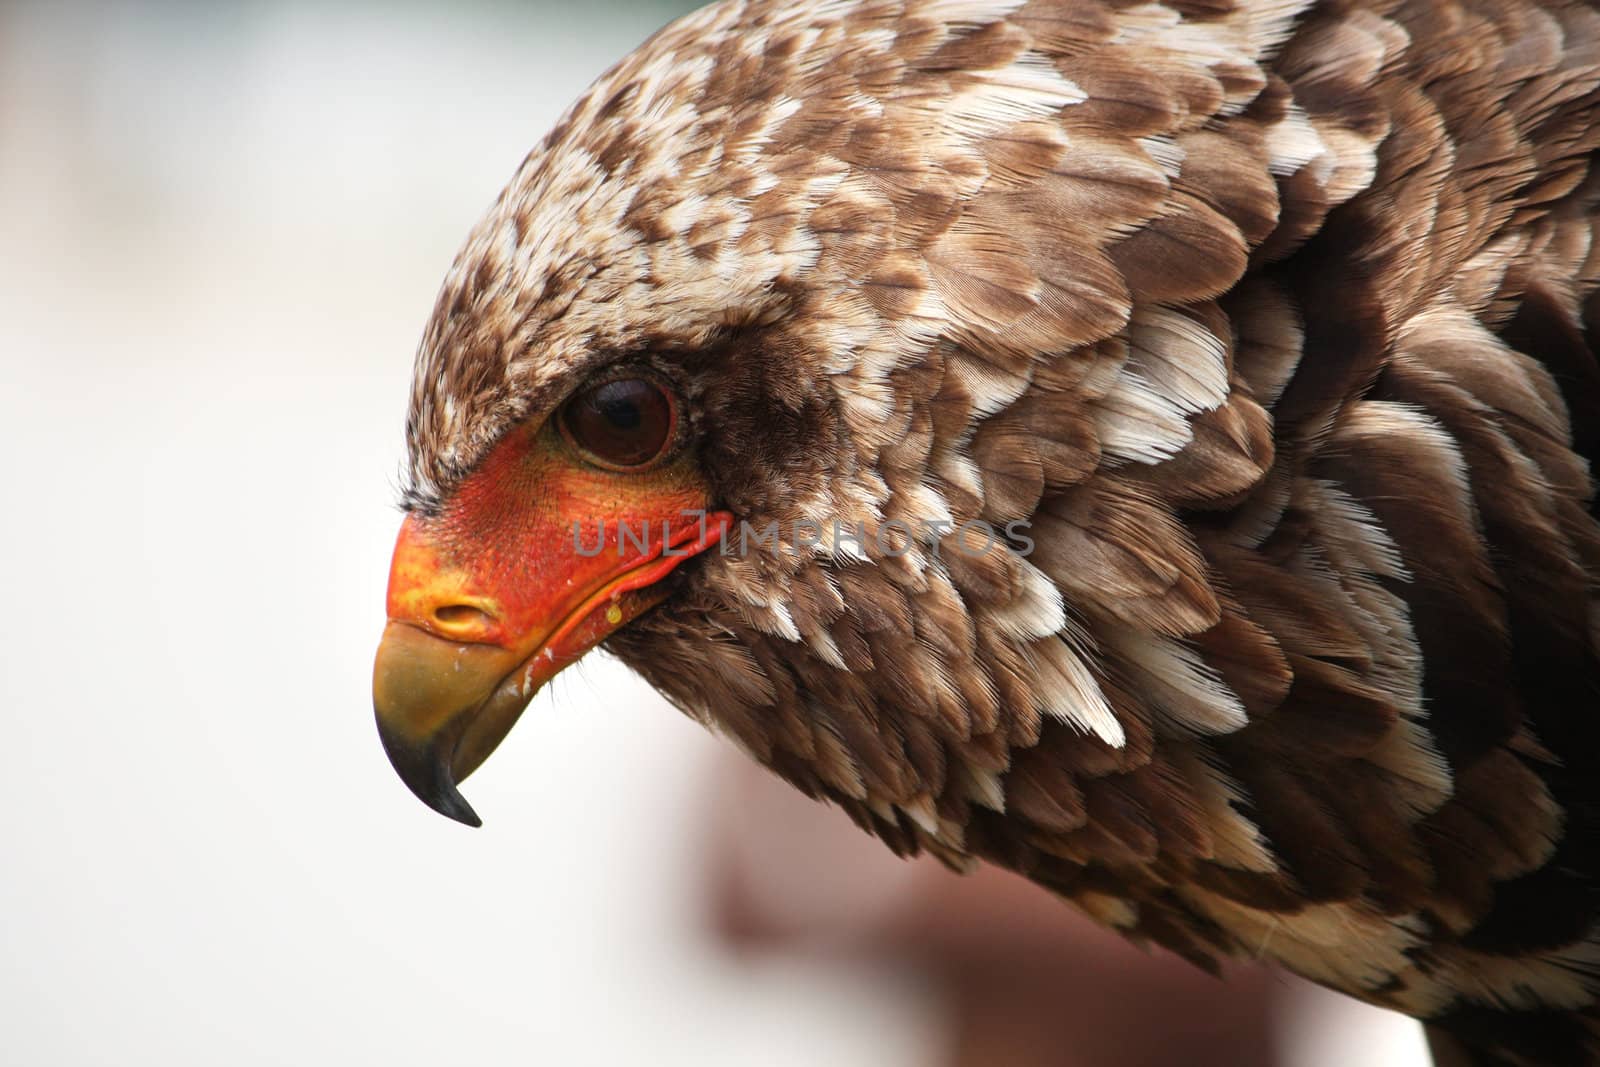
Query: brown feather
[(1269, 324)]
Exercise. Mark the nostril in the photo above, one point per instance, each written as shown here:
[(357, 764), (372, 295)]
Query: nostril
[(459, 617)]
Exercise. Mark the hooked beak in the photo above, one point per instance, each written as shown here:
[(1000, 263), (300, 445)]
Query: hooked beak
[(467, 645), (430, 694)]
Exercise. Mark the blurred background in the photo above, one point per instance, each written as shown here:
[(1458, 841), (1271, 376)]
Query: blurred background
[(221, 230)]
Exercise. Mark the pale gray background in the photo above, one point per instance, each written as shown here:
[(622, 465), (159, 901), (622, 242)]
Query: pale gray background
[(221, 230)]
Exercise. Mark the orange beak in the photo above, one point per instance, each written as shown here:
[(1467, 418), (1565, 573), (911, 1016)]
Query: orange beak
[(515, 579)]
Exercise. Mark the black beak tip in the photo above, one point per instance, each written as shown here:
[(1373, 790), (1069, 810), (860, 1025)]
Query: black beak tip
[(426, 772), (449, 802)]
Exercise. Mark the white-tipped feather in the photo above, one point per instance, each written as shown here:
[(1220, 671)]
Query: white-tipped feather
[(1179, 357), (1188, 697), (1067, 690), (1137, 422)]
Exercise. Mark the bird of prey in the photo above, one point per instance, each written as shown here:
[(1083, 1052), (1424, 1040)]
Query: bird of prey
[(1144, 444)]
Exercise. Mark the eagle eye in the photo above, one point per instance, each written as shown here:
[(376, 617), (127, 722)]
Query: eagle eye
[(623, 424)]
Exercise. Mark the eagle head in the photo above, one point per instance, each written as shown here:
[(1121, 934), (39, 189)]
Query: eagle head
[(758, 371)]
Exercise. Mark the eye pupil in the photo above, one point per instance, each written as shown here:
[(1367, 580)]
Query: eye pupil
[(626, 422), (622, 414)]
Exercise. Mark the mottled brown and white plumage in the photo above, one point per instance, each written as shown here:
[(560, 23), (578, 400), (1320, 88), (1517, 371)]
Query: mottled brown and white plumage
[(1271, 318)]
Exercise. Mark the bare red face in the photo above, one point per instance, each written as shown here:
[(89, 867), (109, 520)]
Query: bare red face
[(561, 535)]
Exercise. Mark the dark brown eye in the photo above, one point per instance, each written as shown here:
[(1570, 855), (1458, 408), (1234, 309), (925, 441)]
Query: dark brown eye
[(623, 423)]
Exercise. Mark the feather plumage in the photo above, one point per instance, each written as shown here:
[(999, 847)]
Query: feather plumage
[(1272, 320)]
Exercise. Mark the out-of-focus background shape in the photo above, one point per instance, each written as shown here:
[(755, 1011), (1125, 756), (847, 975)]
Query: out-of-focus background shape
[(221, 230)]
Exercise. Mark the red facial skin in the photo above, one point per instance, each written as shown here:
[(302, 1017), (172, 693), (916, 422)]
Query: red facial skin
[(502, 562), (508, 593)]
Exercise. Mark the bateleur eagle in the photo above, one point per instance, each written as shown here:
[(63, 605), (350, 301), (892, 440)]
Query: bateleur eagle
[(1145, 445)]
